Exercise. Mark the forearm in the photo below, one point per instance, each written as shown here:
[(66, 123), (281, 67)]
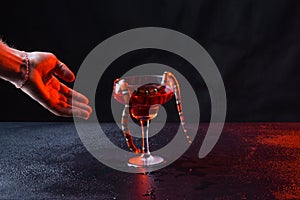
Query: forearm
[(11, 64)]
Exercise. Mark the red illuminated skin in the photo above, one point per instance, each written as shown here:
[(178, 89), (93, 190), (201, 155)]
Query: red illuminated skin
[(43, 84)]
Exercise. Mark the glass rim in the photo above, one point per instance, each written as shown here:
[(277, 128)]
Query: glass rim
[(125, 78), (137, 76)]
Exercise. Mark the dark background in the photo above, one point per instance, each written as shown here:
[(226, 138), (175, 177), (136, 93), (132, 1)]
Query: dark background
[(255, 45)]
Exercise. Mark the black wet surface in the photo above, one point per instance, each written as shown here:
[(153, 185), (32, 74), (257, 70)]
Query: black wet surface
[(250, 161)]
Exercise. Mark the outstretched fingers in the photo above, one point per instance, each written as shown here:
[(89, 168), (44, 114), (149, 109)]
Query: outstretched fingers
[(78, 102), (70, 93), (67, 110)]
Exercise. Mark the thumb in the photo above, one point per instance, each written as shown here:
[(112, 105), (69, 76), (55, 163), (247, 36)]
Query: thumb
[(63, 72)]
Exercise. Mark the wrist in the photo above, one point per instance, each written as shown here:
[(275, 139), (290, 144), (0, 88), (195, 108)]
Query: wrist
[(24, 71), (13, 65), (19, 69)]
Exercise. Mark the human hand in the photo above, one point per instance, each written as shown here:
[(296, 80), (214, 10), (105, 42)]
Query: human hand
[(44, 86)]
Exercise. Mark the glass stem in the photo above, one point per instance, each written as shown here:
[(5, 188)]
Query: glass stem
[(145, 137)]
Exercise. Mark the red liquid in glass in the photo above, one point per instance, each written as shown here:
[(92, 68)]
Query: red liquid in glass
[(144, 101)]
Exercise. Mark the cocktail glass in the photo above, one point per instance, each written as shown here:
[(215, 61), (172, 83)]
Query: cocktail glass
[(142, 95)]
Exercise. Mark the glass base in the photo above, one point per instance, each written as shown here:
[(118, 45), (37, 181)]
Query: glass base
[(145, 160)]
